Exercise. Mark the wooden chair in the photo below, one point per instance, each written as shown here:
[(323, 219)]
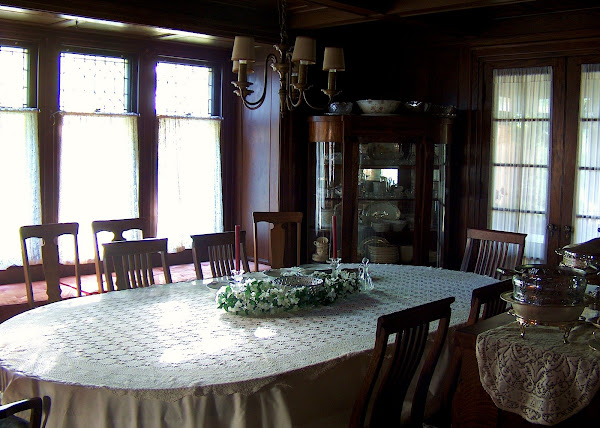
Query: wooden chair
[(219, 250), (277, 236), (8, 411), (488, 298), (494, 249), (117, 228), (132, 262), (49, 233), (411, 327)]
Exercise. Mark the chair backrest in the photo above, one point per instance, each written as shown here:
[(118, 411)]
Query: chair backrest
[(494, 249), (132, 262), (219, 250), (117, 228), (50, 262), (8, 411), (488, 298), (277, 236), (411, 327)]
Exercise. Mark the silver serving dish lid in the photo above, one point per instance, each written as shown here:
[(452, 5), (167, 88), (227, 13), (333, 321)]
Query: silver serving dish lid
[(582, 256), (543, 284)]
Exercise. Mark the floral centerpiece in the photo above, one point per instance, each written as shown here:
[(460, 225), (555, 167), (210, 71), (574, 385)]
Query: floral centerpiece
[(262, 296)]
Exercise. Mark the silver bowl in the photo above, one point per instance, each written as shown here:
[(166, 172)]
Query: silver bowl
[(313, 285), (340, 108), (543, 314), (415, 106)]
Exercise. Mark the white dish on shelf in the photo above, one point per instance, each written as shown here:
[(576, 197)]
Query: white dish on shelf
[(397, 225), (380, 226), (381, 211)]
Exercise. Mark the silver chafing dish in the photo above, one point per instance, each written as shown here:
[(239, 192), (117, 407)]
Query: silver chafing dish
[(547, 295)]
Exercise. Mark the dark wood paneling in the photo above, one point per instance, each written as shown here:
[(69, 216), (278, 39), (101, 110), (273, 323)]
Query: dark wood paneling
[(257, 174)]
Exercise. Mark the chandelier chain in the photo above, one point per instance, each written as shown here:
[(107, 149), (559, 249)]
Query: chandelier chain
[(281, 5)]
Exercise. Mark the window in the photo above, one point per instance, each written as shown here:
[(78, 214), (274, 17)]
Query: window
[(521, 155), (189, 154), (545, 152), (98, 154), (586, 221), (19, 157)]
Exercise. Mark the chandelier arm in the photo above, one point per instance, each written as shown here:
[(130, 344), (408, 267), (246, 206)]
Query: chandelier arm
[(312, 106), (296, 104), (253, 105), (250, 106)]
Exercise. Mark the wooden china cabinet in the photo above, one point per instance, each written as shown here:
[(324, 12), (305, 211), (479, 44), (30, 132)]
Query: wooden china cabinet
[(384, 178)]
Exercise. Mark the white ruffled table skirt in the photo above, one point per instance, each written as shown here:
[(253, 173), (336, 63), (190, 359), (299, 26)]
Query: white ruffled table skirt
[(165, 356), (538, 376)]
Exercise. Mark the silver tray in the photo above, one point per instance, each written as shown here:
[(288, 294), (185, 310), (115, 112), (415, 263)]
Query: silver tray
[(293, 271), (312, 284), (298, 281)]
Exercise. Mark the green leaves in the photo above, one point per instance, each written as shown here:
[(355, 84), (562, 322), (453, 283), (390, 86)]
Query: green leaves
[(261, 297)]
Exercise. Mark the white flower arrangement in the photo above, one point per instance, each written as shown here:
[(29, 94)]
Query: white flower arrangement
[(261, 297)]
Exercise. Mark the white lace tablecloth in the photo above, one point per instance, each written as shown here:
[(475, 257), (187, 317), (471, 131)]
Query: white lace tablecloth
[(538, 376), (170, 342)]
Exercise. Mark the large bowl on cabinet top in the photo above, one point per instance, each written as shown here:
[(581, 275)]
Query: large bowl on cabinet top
[(375, 107)]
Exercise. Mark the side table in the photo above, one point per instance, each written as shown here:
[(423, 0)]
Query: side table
[(473, 407)]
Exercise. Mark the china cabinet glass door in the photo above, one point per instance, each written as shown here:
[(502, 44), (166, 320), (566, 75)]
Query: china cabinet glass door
[(386, 201), (327, 198), (383, 181)]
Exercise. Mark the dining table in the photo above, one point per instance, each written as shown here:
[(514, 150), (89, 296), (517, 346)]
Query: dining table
[(167, 356)]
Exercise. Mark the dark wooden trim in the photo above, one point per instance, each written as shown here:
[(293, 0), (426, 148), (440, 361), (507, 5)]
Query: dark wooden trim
[(212, 17)]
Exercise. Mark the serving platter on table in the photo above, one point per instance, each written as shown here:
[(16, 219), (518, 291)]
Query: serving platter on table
[(217, 283), (296, 270)]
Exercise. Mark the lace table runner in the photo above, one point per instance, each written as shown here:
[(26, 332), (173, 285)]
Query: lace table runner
[(539, 377), (168, 341)]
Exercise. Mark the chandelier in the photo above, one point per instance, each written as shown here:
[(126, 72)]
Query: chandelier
[(291, 64)]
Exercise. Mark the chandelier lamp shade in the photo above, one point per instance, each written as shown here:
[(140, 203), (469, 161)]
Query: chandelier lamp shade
[(292, 67)]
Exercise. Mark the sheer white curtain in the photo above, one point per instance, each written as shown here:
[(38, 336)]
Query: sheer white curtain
[(521, 155), (190, 199), (98, 173), (20, 178), (586, 213)]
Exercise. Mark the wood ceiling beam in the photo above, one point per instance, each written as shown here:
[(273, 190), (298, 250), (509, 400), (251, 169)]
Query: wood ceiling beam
[(357, 7), (324, 18), (315, 14), (420, 7)]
